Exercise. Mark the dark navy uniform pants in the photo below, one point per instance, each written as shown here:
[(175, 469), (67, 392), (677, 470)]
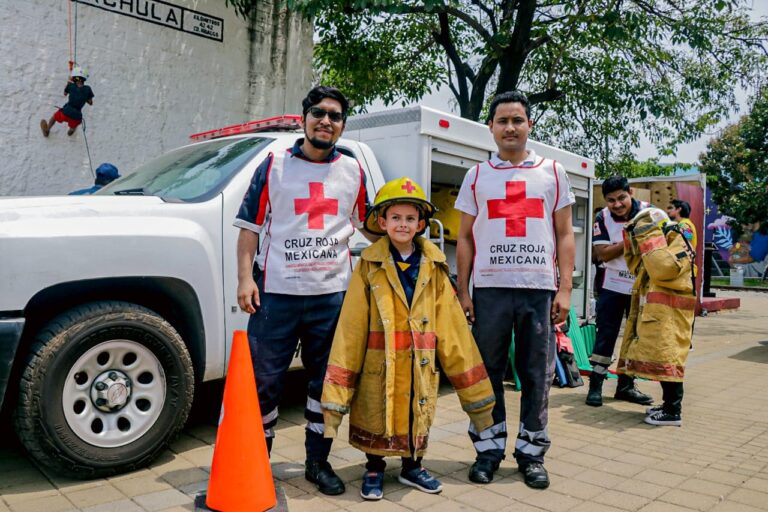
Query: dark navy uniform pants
[(611, 308), (499, 311), (273, 334)]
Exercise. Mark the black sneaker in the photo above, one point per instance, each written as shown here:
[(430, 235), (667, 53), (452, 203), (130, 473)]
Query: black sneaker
[(535, 475), (321, 474), (661, 418), (482, 471), (653, 409)]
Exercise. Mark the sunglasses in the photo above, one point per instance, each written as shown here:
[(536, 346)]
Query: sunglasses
[(319, 113)]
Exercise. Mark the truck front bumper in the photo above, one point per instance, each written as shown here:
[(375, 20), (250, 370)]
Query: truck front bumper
[(10, 335)]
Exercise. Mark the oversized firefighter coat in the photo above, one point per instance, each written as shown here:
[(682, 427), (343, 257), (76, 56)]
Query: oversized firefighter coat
[(384, 359), (657, 337)]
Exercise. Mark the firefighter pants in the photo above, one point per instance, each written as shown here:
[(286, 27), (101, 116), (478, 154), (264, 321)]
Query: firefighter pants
[(273, 334), (499, 311), (611, 308)]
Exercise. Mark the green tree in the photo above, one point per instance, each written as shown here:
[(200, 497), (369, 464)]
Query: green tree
[(736, 163), (600, 72), (626, 165)]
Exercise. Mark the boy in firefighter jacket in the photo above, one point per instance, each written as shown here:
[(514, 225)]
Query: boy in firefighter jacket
[(400, 316), (658, 333)]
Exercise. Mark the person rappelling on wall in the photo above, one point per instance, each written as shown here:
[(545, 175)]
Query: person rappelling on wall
[(72, 112)]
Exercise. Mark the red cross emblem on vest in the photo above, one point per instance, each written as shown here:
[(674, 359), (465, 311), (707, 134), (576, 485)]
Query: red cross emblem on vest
[(516, 208), (316, 205)]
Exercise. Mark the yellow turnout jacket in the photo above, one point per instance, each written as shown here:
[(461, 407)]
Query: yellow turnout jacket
[(383, 364), (657, 337)]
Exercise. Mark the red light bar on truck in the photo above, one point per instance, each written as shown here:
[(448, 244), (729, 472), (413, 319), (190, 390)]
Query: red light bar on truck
[(271, 124)]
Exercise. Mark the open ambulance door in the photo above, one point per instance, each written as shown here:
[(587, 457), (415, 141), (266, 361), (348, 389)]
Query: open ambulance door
[(448, 164)]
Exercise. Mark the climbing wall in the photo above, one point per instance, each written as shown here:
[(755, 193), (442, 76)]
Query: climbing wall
[(155, 80)]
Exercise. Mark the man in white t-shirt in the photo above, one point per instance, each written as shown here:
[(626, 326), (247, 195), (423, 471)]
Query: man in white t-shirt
[(516, 241), (301, 208), (615, 289)]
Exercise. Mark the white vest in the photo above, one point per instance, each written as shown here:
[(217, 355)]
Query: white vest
[(305, 251), (513, 229), (618, 278)]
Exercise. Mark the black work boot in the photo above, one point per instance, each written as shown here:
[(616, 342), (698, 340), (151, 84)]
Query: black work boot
[(320, 473), (626, 390), (534, 475), (595, 393), (482, 471)]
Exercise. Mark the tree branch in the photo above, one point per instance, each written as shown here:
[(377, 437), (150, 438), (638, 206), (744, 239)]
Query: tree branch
[(443, 38), (545, 96), (450, 81), (473, 23), (536, 43), (514, 55), (479, 85), (489, 12)]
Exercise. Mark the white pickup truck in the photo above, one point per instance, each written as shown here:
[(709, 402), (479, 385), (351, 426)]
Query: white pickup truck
[(113, 306)]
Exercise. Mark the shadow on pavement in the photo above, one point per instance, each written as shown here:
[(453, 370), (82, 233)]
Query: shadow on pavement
[(754, 354), (573, 410)]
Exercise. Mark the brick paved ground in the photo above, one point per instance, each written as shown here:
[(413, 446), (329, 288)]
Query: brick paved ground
[(602, 459)]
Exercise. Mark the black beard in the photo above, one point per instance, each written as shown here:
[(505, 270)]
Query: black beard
[(320, 144)]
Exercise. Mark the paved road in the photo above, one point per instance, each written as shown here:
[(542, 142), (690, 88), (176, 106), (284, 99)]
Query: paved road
[(602, 459)]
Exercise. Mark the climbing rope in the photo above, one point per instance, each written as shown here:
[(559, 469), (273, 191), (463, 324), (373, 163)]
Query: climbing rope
[(88, 150), (72, 61), (74, 47), (69, 31)]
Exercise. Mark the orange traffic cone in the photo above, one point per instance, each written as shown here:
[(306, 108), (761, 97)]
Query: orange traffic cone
[(241, 477)]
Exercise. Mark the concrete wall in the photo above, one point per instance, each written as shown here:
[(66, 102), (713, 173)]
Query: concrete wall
[(153, 85)]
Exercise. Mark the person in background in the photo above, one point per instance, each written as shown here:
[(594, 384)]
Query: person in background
[(680, 211), (752, 255), (106, 173), (72, 112), (615, 289)]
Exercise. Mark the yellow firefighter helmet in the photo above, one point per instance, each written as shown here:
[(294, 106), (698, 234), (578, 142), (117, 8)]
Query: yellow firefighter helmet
[(401, 190)]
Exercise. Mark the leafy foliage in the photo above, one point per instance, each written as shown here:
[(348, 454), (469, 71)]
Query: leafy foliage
[(601, 72), (626, 165), (736, 163)]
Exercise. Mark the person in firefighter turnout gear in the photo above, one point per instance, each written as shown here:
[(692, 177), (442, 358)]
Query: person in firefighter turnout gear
[(399, 319), (657, 337)]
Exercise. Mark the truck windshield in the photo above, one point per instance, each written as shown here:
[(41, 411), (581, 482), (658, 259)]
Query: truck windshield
[(192, 173)]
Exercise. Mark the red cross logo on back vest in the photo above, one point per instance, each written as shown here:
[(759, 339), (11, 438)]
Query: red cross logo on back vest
[(516, 208), (316, 205), (408, 187)]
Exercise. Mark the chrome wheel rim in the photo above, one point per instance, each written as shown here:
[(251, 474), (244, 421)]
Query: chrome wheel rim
[(114, 393)]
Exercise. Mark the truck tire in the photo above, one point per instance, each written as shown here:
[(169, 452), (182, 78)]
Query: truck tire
[(106, 387)]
